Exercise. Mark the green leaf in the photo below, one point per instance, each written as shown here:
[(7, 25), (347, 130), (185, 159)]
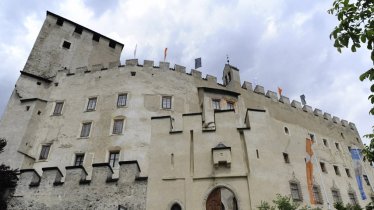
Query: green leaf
[(363, 38), (353, 48)]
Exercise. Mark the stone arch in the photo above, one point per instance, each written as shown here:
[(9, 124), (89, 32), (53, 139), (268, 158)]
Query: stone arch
[(175, 205), (221, 197)]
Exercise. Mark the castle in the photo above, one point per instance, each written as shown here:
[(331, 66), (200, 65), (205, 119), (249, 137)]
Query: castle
[(89, 132)]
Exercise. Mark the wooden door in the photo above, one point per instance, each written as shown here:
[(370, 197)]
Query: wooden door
[(214, 200)]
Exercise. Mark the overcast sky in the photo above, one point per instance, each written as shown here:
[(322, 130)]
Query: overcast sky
[(274, 43)]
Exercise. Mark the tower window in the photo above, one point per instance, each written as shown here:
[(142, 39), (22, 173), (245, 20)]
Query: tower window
[(121, 100), (230, 105), (112, 44), (113, 158), (66, 45), (352, 198), (96, 37), (348, 172), (286, 131), (336, 169), (286, 158), (86, 128), (295, 191), (44, 152), (216, 104), (323, 167), (325, 142), (118, 126), (60, 21), (58, 108), (366, 180), (337, 146), (78, 29), (317, 195), (79, 159), (91, 105), (166, 102), (336, 195)]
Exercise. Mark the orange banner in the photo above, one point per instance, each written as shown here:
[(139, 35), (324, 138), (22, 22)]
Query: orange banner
[(309, 170)]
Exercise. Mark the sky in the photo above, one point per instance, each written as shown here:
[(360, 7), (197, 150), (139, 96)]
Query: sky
[(274, 43)]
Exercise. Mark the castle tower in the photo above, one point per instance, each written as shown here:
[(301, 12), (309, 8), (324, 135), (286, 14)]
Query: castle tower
[(63, 44), (231, 76)]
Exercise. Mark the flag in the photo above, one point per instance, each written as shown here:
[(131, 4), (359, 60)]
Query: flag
[(280, 91), (356, 158), (309, 169), (197, 63), (303, 101), (136, 46), (165, 53)]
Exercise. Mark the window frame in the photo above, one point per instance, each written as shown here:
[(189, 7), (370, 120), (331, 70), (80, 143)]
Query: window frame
[(57, 103), (317, 194), (116, 120), (80, 161), (337, 146), (89, 130), (115, 160), (325, 143), (216, 101), (166, 105), (89, 107), (286, 157), (348, 172), (336, 197), (43, 155), (337, 171), (232, 105), (295, 188), (352, 197), (120, 105), (366, 178), (323, 167)]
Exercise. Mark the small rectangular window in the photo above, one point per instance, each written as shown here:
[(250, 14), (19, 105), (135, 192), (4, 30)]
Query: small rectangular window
[(295, 192), (60, 21), (286, 158), (317, 195), (166, 102), (78, 29), (113, 158), (348, 172), (121, 100), (118, 126), (336, 169), (336, 195), (44, 152), (230, 105), (96, 37), (66, 45), (323, 167), (112, 44), (86, 128), (79, 159), (352, 198), (121, 207), (216, 104), (366, 180), (58, 108), (91, 105), (337, 146), (325, 143)]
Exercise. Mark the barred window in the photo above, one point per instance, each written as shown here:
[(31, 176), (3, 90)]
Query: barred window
[(58, 108), (295, 191), (113, 158), (122, 100), (317, 194), (366, 179), (79, 159), (44, 152), (336, 195), (166, 102), (352, 198), (216, 104), (118, 126), (91, 105), (86, 128)]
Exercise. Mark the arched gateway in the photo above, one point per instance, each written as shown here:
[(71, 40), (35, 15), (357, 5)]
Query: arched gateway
[(221, 198)]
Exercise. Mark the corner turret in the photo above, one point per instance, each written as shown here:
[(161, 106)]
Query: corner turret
[(231, 76)]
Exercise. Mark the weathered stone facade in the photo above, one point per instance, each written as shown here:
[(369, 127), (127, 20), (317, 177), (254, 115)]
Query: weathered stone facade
[(76, 113)]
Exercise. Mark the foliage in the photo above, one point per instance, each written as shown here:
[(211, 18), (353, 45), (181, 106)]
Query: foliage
[(370, 206), (340, 206), (265, 206), (356, 24), (283, 203), (8, 177)]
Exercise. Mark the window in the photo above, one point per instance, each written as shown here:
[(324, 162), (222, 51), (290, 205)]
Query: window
[(366, 179), (342, 135), (337, 146), (60, 21), (216, 104), (91, 105), (336, 195), (44, 152), (66, 45), (78, 29), (336, 169), (325, 142), (121, 100), (348, 172), (112, 44), (79, 159), (118, 126), (286, 158), (352, 197), (86, 127), (317, 194), (113, 158), (311, 136), (122, 207), (58, 108), (323, 167), (96, 37), (176, 206), (286, 131), (349, 149), (295, 191), (166, 102), (230, 105)]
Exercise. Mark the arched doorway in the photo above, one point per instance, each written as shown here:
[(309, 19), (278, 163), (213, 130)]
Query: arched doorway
[(221, 198)]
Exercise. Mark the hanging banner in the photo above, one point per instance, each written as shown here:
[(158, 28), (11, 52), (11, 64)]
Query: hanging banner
[(358, 170), (309, 170)]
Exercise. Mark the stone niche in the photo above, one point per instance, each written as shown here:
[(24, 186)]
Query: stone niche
[(221, 156)]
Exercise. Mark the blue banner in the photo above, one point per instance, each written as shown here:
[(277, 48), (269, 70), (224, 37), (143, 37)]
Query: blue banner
[(356, 157)]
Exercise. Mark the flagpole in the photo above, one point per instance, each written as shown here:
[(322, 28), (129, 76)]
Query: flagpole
[(322, 183)]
